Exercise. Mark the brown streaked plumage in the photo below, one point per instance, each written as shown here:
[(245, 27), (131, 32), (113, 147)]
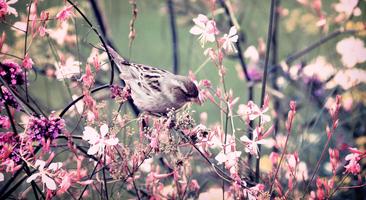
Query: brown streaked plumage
[(155, 90)]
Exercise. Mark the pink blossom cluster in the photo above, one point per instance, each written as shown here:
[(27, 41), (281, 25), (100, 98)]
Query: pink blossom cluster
[(11, 72), (43, 130)]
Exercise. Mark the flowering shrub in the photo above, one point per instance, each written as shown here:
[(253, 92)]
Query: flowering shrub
[(265, 127)]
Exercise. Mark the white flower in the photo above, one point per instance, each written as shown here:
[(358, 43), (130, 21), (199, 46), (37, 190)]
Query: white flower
[(98, 141), (2, 178), (44, 173), (228, 157), (312, 70), (205, 28), (346, 6), (229, 40), (253, 111), (252, 53), (347, 78), (251, 146), (69, 69), (352, 50)]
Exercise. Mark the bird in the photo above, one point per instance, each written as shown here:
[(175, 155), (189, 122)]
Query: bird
[(153, 90)]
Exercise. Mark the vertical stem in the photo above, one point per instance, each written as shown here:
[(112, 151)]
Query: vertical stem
[(265, 73), (104, 177), (25, 49), (274, 61), (173, 29)]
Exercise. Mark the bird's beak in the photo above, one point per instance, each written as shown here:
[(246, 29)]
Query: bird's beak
[(196, 100)]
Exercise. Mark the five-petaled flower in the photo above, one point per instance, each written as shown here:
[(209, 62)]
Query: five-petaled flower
[(205, 28), (45, 173), (98, 141), (251, 145)]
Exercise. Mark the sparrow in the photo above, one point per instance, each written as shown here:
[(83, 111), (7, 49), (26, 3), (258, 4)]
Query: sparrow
[(154, 90)]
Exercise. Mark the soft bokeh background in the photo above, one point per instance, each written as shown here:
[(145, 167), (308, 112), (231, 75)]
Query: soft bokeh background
[(297, 29)]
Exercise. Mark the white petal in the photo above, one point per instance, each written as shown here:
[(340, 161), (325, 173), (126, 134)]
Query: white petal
[(232, 31), (32, 177), (91, 135), (245, 138), (111, 141), (2, 177), (234, 38), (49, 182), (104, 130), (221, 158), (40, 164), (55, 166), (93, 149), (195, 30)]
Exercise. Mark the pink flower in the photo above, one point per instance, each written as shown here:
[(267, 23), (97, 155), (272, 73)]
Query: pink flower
[(65, 13), (2, 40), (334, 159), (5, 9), (228, 40), (27, 62), (98, 141), (352, 50), (354, 157), (45, 173), (205, 28), (253, 112), (88, 78)]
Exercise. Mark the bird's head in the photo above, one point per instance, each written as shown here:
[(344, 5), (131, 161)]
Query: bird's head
[(186, 90)]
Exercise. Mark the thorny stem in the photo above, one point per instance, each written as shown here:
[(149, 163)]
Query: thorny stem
[(265, 72)]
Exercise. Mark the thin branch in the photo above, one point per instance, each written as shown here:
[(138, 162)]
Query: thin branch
[(313, 46), (25, 48), (63, 112), (100, 38), (265, 72), (173, 29), (238, 43)]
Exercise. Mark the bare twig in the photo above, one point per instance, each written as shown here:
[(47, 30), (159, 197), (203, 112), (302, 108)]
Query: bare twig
[(173, 29)]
